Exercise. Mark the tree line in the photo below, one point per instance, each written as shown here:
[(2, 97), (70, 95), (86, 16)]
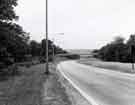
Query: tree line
[(15, 43), (118, 50)]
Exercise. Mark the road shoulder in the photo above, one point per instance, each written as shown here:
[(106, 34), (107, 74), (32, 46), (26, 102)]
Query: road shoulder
[(54, 92)]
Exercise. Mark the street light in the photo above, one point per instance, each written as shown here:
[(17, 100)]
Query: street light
[(47, 66), (47, 47)]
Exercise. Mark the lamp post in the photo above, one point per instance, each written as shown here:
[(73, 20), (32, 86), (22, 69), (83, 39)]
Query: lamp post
[(47, 66), (47, 47)]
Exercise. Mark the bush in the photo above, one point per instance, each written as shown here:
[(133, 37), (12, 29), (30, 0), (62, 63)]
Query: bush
[(13, 70), (42, 60), (9, 71), (8, 61), (115, 52), (73, 56), (2, 65)]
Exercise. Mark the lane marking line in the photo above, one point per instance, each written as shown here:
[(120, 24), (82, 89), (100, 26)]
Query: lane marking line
[(86, 96)]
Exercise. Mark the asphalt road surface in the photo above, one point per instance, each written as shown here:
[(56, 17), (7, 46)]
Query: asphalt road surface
[(105, 87)]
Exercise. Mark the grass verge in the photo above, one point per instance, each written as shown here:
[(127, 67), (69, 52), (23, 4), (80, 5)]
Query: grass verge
[(24, 89), (33, 87), (115, 66)]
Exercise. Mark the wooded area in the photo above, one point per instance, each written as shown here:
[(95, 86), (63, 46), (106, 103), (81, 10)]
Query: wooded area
[(118, 50), (15, 43)]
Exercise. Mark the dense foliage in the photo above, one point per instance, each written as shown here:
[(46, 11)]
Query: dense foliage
[(7, 12), (13, 40), (15, 45), (72, 56), (117, 50), (39, 48)]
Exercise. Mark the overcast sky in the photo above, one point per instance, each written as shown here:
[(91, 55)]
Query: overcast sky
[(85, 23)]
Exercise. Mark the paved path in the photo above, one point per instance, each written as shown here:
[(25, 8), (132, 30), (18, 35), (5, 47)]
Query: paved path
[(100, 86)]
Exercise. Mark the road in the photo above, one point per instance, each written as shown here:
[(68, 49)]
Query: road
[(100, 86)]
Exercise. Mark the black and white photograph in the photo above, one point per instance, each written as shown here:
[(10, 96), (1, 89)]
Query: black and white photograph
[(67, 52)]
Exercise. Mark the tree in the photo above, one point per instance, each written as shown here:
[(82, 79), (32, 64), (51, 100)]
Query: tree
[(14, 39), (35, 48), (50, 46), (43, 46), (131, 40), (7, 12), (131, 48), (118, 40), (12, 36), (115, 51)]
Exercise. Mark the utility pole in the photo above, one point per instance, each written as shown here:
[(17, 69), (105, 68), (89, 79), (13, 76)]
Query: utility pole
[(47, 53)]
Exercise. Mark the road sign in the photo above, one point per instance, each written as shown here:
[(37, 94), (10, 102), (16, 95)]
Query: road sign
[(132, 50), (132, 55)]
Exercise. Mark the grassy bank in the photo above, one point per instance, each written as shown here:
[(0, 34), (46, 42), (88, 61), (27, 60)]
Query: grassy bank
[(33, 87), (116, 66), (24, 89)]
